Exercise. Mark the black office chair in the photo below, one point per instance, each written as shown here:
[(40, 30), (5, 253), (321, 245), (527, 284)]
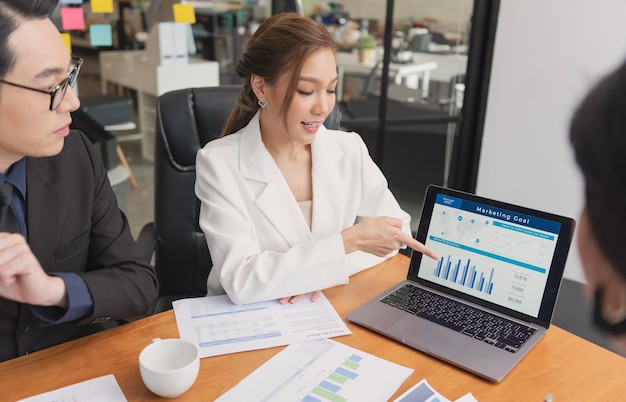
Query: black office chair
[(185, 121)]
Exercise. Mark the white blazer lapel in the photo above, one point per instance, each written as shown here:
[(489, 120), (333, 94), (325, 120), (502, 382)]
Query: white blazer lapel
[(268, 188), (329, 190)]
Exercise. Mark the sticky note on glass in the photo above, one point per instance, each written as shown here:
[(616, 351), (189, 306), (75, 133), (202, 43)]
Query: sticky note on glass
[(184, 13), (72, 19), (101, 6), (71, 2), (67, 41), (100, 35)]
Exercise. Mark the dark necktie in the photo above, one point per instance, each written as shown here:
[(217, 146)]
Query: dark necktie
[(8, 220)]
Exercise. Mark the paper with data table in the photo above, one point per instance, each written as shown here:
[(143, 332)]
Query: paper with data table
[(218, 326), (101, 389), (320, 370)]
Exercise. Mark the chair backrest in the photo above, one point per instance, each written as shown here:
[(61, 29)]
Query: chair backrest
[(185, 121)]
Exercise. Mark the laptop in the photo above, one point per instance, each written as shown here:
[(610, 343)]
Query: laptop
[(489, 298)]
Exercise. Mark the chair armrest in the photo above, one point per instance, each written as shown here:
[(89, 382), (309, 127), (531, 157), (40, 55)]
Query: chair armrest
[(147, 241)]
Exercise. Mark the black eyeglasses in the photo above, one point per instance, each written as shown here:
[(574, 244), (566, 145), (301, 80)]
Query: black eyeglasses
[(58, 92)]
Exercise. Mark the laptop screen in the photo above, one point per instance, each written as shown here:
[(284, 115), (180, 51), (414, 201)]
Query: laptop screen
[(499, 253)]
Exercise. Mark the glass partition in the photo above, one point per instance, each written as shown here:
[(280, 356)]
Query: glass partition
[(406, 101)]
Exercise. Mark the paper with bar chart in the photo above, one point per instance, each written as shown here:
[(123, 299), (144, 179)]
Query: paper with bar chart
[(320, 371), (493, 254)]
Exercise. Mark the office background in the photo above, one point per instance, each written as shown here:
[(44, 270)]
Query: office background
[(547, 55), (412, 155), (531, 75), (445, 12)]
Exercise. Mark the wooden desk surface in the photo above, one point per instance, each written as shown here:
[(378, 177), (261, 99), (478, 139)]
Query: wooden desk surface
[(568, 367)]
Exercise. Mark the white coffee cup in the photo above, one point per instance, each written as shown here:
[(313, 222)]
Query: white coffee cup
[(169, 367)]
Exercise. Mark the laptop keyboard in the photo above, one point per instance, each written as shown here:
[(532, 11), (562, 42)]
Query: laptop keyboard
[(489, 328)]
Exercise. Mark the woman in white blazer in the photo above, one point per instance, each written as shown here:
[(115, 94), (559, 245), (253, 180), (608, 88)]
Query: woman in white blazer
[(289, 207)]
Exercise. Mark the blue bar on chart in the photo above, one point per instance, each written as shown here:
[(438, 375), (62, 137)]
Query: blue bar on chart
[(466, 275), (329, 389)]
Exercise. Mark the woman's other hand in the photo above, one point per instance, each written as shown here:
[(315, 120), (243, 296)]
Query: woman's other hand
[(294, 299)]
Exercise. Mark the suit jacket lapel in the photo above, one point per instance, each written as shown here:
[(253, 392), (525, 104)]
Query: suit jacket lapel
[(44, 194)]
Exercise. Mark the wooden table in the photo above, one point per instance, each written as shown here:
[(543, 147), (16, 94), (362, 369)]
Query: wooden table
[(562, 364)]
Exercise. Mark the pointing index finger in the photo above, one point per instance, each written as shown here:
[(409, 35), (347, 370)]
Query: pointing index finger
[(417, 246)]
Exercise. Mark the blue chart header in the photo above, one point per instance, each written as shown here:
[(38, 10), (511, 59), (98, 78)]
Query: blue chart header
[(497, 213)]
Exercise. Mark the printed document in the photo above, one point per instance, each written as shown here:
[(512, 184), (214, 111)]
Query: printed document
[(320, 370), (218, 326), (101, 389), (424, 392)]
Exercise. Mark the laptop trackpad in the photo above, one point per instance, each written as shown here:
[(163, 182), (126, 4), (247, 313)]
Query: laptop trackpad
[(428, 337)]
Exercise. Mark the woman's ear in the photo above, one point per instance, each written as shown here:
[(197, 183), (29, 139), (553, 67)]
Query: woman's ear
[(257, 84)]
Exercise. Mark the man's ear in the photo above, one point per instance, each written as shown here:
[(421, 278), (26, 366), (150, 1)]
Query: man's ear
[(258, 86)]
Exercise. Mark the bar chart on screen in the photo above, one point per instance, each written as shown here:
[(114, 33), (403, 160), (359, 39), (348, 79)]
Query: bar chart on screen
[(466, 274), (494, 254)]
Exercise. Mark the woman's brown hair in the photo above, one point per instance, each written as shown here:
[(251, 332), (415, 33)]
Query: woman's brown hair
[(279, 47)]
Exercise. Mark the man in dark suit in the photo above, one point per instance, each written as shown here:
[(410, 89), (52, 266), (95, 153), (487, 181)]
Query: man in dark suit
[(68, 261)]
